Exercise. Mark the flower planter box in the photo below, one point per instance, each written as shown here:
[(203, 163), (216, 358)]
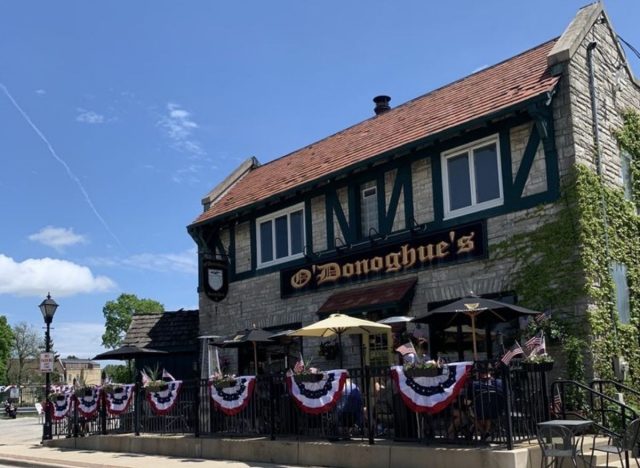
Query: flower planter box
[(83, 392), (423, 371), (157, 387), (537, 366), (300, 378), (224, 384)]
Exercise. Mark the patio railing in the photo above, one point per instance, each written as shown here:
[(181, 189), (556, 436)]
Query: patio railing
[(502, 415)]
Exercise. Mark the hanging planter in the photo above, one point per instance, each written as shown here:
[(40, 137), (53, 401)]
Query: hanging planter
[(329, 350)]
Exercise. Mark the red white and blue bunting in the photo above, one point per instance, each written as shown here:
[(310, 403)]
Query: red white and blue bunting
[(118, 402), (431, 394), (88, 401), (232, 400), (162, 401), (318, 397), (61, 406)]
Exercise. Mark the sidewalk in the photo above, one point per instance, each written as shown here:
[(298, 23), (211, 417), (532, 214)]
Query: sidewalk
[(38, 456), (20, 446)]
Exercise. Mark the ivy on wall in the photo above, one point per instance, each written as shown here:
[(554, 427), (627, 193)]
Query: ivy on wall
[(563, 265)]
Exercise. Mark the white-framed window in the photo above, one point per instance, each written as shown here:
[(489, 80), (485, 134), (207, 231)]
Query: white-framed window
[(368, 207), (627, 180), (472, 177), (280, 236)]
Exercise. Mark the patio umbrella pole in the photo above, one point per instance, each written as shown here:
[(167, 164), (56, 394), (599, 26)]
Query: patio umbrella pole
[(340, 348), (255, 357), (473, 335)]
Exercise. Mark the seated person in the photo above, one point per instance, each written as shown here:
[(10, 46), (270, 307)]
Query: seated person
[(488, 402), (349, 409)]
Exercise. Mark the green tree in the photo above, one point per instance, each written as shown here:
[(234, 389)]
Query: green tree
[(6, 341), (25, 347), (118, 315), (119, 373)]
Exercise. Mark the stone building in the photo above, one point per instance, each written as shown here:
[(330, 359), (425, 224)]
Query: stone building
[(478, 185)]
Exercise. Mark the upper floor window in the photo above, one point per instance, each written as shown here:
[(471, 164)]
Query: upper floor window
[(368, 208), (619, 274), (625, 165), (472, 177), (280, 236)]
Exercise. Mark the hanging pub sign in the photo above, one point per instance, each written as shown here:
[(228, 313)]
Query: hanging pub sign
[(461, 243), (215, 278)]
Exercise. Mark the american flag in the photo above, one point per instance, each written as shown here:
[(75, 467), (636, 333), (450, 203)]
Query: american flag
[(541, 317), (145, 378), (167, 376), (514, 351), (540, 348), (299, 367), (535, 341), (406, 348)]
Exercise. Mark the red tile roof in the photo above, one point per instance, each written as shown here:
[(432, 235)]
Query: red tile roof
[(371, 297), (510, 82)]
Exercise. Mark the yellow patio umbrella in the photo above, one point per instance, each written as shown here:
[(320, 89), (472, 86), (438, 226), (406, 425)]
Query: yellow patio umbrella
[(341, 324)]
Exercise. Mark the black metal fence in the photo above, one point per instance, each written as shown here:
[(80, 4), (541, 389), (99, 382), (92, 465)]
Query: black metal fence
[(501, 411)]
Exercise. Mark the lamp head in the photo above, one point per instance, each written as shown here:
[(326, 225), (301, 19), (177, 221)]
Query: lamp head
[(48, 308)]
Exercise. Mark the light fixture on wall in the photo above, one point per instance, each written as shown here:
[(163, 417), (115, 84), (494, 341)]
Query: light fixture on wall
[(341, 246)]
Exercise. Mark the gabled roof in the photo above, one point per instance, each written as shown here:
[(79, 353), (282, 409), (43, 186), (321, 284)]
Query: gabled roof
[(175, 332), (496, 88)]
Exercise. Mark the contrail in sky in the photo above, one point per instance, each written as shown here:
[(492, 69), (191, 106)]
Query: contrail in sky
[(70, 173)]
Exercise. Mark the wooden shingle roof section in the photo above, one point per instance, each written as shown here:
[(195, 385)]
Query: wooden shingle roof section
[(496, 88), (174, 332)]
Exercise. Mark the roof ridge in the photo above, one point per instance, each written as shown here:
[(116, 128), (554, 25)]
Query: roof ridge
[(393, 109)]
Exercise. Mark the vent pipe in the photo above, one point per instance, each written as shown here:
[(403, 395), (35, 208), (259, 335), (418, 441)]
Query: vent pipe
[(382, 104)]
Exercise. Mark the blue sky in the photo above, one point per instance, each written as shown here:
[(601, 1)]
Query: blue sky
[(117, 117)]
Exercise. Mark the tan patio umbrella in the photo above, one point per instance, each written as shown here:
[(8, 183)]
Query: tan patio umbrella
[(341, 324)]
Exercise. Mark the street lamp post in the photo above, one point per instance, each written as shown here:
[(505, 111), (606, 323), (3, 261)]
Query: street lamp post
[(48, 308)]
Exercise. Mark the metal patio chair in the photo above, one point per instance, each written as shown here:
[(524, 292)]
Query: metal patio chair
[(557, 443), (627, 442)]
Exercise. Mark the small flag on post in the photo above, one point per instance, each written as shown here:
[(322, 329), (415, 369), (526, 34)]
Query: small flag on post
[(514, 351), (167, 376), (541, 317), (145, 378), (540, 348), (534, 341), (299, 366), (406, 348)]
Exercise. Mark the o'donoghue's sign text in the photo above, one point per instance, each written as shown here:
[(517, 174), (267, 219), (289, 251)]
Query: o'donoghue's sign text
[(453, 245)]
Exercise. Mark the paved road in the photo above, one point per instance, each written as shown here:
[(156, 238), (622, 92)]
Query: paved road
[(20, 446)]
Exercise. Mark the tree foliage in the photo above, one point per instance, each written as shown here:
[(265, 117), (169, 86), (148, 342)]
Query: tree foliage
[(118, 315), (25, 346), (119, 373), (6, 341)]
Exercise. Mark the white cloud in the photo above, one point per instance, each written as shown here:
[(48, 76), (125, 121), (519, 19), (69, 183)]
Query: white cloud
[(80, 339), (36, 276), (40, 91), (179, 126), (89, 116), (57, 237), (183, 262)]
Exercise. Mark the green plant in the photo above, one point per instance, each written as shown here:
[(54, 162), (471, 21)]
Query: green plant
[(329, 350), (538, 358)]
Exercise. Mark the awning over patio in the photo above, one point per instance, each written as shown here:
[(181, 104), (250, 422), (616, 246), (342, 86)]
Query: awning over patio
[(381, 296)]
